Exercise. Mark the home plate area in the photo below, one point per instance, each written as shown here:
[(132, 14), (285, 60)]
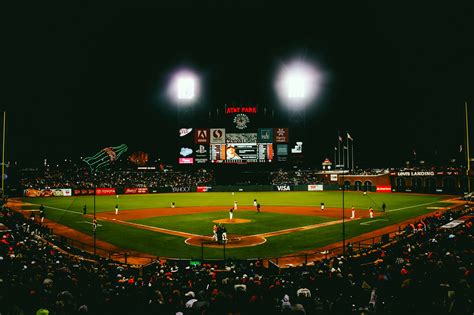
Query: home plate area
[(233, 241)]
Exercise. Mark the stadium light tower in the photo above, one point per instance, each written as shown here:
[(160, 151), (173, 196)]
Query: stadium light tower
[(298, 84), (183, 88)]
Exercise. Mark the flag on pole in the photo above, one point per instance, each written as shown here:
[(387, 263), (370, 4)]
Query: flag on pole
[(335, 148), (349, 137), (105, 156), (460, 148), (340, 138), (345, 148)]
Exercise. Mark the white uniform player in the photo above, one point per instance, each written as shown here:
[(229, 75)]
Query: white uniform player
[(235, 205)]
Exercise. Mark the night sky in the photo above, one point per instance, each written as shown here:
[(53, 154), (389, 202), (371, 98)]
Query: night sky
[(77, 78)]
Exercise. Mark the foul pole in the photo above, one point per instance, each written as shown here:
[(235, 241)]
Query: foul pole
[(3, 153), (468, 169)]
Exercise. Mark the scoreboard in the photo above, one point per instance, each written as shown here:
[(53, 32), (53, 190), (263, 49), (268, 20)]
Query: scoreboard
[(241, 153), (238, 139)]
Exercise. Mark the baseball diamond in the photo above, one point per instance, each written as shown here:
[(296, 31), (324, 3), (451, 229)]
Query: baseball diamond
[(289, 222)]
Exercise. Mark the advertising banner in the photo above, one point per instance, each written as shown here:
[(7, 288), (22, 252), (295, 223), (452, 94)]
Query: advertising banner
[(241, 138), (203, 188), (138, 190), (333, 177), (181, 189), (217, 135), (83, 192), (105, 191), (61, 192), (384, 188), (315, 187), (186, 160), (201, 136), (201, 154), (265, 135), (282, 187), (281, 135)]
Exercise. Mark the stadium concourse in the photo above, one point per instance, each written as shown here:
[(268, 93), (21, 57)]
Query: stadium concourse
[(429, 270)]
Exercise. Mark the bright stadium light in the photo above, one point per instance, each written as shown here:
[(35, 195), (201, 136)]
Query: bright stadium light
[(183, 87), (186, 88), (298, 84)]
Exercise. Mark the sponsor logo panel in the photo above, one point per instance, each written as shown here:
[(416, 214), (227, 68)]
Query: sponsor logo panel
[(203, 188), (186, 160), (384, 188), (181, 189), (217, 135), (138, 190), (105, 191), (315, 187), (282, 187), (184, 131), (201, 136)]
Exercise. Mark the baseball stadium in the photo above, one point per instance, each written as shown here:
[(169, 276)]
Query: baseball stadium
[(295, 164)]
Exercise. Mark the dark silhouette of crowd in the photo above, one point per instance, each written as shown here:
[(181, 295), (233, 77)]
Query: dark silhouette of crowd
[(83, 178), (428, 271)]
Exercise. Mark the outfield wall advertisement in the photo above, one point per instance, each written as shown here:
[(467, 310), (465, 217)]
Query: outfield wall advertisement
[(315, 187), (138, 190), (384, 188), (85, 192), (57, 192), (105, 191)]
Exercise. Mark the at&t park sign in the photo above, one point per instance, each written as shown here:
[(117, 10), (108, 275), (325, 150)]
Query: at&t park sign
[(240, 109)]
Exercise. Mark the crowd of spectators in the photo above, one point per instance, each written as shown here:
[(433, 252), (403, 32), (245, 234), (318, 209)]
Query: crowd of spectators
[(82, 178), (428, 271), (297, 177)]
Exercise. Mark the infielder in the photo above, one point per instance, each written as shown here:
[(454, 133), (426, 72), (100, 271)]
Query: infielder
[(322, 206), (235, 205), (353, 214), (371, 212), (116, 209), (231, 214), (255, 202)]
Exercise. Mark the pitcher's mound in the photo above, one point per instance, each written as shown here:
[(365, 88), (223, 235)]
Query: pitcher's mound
[(234, 241), (233, 221)]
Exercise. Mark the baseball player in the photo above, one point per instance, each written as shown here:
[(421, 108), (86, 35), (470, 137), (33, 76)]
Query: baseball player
[(42, 214), (384, 206), (258, 208), (371, 212), (116, 209), (255, 202), (94, 224), (231, 213), (353, 212), (224, 235), (235, 205), (173, 205), (322, 206), (214, 231)]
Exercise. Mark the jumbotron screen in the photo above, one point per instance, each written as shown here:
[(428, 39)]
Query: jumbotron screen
[(241, 153), (222, 145)]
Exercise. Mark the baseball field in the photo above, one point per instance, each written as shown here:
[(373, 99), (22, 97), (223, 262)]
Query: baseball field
[(289, 222)]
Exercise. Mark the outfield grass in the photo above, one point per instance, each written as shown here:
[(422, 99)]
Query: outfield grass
[(226, 199), (68, 210)]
